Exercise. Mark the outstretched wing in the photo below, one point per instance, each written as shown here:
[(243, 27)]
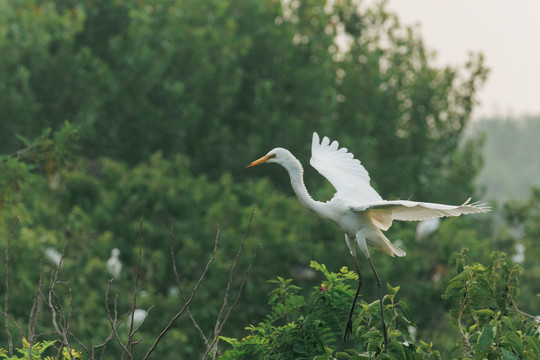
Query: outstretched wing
[(384, 212), (344, 172)]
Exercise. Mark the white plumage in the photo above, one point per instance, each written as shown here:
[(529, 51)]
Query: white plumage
[(114, 266), (427, 227), (519, 256), (356, 208), (53, 256)]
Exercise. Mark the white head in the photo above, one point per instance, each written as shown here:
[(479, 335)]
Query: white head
[(278, 155), (115, 252)]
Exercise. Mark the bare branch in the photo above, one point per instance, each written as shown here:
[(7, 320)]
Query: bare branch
[(92, 353), (177, 277), (112, 321), (35, 308), (519, 311), (244, 279), (219, 322), (55, 310), (219, 328), (129, 342), (186, 303), (6, 297)]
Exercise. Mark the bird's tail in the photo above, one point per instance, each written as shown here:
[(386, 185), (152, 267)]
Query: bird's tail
[(386, 245), (397, 250)]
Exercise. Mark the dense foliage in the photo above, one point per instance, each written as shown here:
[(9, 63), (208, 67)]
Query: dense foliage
[(128, 125), (490, 324), (225, 81)]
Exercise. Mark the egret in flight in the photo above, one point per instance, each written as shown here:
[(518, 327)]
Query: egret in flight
[(356, 208)]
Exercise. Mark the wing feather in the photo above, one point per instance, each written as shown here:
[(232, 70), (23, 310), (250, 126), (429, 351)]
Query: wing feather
[(352, 182), (345, 173), (406, 210)]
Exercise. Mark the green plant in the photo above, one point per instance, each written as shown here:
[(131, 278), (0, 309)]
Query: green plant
[(36, 352), (490, 323), (312, 328)]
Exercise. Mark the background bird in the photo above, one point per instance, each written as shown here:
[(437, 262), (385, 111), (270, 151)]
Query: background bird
[(114, 266), (427, 227), (53, 256), (356, 208)]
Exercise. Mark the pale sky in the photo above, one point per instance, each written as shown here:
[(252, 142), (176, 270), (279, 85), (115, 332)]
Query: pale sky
[(506, 32)]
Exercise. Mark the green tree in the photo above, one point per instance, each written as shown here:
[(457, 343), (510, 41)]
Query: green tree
[(224, 81)]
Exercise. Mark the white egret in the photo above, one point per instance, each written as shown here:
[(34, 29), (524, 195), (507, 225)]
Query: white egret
[(519, 256), (53, 256), (114, 266), (139, 315), (356, 208)]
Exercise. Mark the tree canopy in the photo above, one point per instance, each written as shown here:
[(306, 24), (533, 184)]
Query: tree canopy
[(225, 81)]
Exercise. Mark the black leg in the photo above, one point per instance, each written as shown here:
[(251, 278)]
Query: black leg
[(381, 303), (348, 327)]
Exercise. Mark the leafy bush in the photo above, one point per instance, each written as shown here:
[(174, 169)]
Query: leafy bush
[(484, 310), (490, 323), (35, 351), (300, 328)]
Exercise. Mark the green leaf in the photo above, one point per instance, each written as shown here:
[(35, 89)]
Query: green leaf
[(515, 341), (397, 349), (509, 323), (484, 342), (407, 309), (485, 312), (533, 344), (392, 290), (507, 355)]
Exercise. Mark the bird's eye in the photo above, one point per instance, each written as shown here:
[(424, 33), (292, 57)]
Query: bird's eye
[(271, 156)]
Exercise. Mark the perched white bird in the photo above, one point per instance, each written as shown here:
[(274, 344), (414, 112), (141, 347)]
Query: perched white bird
[(139, 315), (356, 208), (519, 256), (427, 227), (114, 266), (53, 256)]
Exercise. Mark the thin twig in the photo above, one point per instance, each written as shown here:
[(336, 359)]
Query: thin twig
[(131, 333), (17, 154), (6, 297), (233, 268), (186, 304), (92, 353), (519, 311), (55, 310), (112, 321), (220, 328), (177, 277), (219, 321), (35, 308)]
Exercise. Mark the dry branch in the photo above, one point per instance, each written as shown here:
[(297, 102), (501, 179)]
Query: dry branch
[(220, 322), (57, 311), (193, 291)]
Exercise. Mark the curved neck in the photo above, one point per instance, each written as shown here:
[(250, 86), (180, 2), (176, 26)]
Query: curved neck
[(296, 174)]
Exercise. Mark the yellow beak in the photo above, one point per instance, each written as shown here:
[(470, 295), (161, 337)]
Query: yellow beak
[(259, 161)]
